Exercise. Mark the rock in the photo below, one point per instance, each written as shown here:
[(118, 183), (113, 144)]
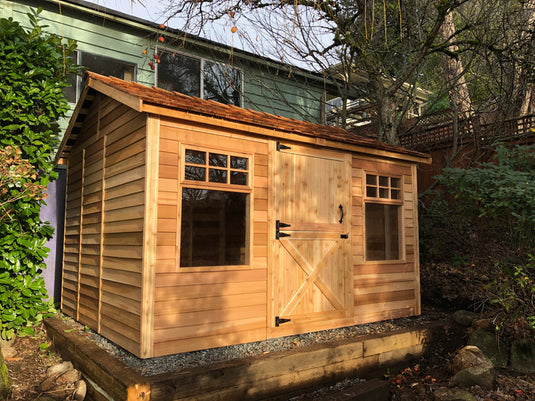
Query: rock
[(523, 356), (464, 318), (80, 390), (453, 394), (481, 376), (468, 357), (58, 369), (47, 384), (5, 385), (483, 324), (489, 344), (69, 377)]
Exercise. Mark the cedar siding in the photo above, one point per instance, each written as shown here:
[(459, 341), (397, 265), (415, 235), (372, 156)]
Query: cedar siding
[(123, 274)]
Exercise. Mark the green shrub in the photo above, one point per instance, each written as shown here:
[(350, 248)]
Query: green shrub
[(32, 77)]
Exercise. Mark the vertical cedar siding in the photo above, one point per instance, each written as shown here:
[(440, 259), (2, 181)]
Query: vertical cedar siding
[(198, 308), (104, 223), (385, 290)]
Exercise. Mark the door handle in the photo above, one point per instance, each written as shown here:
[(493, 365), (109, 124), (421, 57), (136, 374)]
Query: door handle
[(342, 214)]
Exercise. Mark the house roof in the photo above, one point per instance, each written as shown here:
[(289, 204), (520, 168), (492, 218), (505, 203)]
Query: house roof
[(176, 105)]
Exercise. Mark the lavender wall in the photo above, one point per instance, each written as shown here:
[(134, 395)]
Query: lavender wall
[(54, 212)]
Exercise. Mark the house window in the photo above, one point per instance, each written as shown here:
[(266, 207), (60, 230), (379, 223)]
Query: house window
[(215, 209), (101, 65), (382, 217), (199, 77)]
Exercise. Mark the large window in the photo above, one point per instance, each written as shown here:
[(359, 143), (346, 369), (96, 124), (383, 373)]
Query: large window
[(382, 217), (101, 65), (215, 209), (199, 77)]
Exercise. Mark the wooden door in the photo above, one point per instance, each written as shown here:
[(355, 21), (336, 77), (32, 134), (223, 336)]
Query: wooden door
[(311, 272)]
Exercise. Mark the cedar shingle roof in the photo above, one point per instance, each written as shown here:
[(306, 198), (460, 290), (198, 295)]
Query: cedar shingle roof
[(133, 93)]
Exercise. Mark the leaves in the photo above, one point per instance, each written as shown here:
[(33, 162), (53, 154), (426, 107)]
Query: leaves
[(31, 102)]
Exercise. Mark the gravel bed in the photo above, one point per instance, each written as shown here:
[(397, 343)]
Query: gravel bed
[(182, 361)]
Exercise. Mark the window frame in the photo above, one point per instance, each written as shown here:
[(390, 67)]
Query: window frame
[(202, 60), (215, 186), (398, 202)]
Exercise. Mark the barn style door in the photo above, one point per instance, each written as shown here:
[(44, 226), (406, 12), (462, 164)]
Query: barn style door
[(311, 274)]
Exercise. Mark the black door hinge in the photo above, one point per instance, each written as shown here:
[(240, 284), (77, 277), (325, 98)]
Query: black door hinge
[(279, 321), (278, 226), (280, 147)]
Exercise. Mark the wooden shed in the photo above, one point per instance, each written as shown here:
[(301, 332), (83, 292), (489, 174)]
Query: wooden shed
[(191, 224)]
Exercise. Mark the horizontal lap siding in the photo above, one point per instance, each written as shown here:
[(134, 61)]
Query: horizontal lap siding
[(104, 223), (198, 308), (124, 211), (384, 290)]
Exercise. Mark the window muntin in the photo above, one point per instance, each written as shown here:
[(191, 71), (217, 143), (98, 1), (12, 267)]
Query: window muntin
[(215, 208), (216, 167), (382, 211), (383, 187), (199, 77)]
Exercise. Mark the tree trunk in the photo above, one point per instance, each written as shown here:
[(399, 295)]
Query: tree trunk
[(5, 389), (528, 92), (453, 67)]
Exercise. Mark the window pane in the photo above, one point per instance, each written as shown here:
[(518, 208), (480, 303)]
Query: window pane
[(238, 162), (395, 182), (107, 66), (383, 181), (179, 73), (195, 157), (217, 175), (384, 193), (213, 229), (238, 178), (396, 194), (217, 160), (371, 179), (195, 173), (382, 232), (371, 192), (222, 83)]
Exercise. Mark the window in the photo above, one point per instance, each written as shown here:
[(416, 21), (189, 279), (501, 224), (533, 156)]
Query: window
[(199, 77), (215, 209), (101, 65), (382, 217)]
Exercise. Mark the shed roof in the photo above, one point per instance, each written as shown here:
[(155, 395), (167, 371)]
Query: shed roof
[(177, 105)]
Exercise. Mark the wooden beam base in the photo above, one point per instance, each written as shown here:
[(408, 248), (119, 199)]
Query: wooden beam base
[(255, 378)]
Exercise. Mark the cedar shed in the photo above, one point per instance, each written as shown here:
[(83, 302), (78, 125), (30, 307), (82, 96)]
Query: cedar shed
[(191, 224)]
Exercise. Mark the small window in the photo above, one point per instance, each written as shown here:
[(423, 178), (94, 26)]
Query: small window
[(214, 167), (382, 217)]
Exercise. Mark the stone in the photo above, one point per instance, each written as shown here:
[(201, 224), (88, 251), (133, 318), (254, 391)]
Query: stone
[(5, 385), (523, 356), (481, 376), (69, 377), (453, 394), (484, 324), (9, 352), (489, 344), (468, 357), (80, 390), (59, 368), (464, 318)]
